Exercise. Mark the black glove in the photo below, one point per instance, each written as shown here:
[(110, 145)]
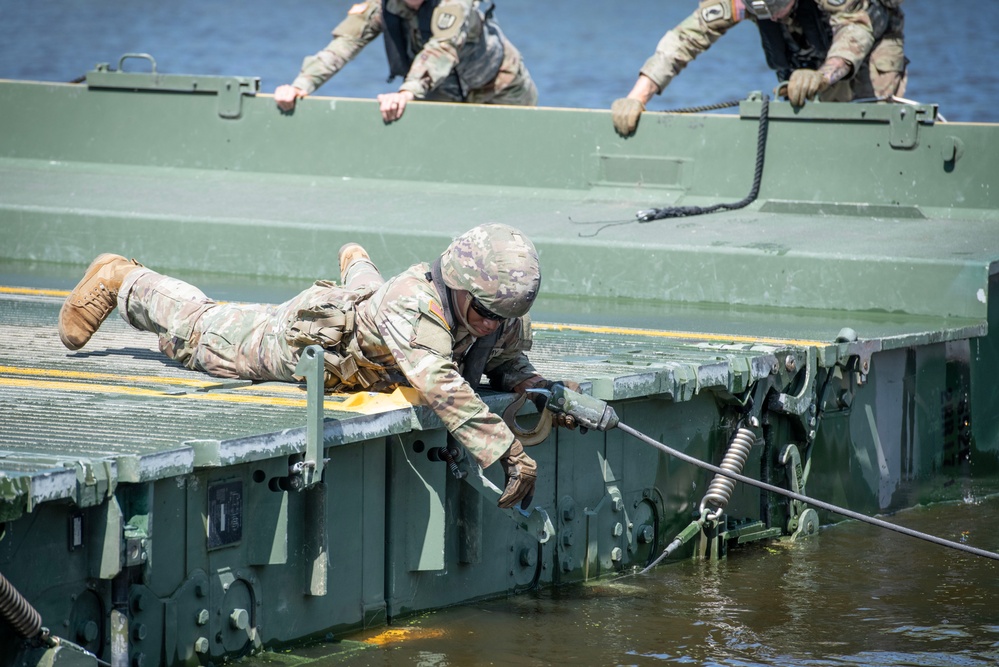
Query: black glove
[(521, 473)]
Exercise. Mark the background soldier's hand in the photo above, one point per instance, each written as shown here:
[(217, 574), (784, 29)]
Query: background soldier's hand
[(287, 95), (393, 105), (625, 112), (521, 473), (805, 84)]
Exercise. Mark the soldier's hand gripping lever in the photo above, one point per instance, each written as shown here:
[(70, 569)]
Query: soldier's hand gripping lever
[(586, 411)]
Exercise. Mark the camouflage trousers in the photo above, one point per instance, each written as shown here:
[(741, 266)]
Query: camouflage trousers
[(512, 85), (230, 340)]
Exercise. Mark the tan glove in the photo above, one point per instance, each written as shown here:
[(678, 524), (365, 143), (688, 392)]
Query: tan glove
[(805, 84), (521, 473), (625, 112)]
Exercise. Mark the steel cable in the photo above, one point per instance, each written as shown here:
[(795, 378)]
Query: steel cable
[(805, 499)]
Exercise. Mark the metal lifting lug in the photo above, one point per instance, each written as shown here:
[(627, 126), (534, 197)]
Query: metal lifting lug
[(229, 89)]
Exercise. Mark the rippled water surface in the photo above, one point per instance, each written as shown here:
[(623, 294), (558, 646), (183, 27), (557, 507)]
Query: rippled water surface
[(854, 595), (582, 53)]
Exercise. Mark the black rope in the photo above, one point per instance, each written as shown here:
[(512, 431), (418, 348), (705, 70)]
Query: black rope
[(685, 211), (805, 499), (709, 107)]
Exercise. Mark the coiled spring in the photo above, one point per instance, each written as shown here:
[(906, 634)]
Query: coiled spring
[(721, 487), (18, 611)]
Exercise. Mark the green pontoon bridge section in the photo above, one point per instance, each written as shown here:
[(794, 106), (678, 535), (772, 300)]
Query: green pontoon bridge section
[(848, 308)]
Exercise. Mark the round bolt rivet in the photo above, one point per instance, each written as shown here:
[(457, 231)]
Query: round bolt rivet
[(203, 616), (201, 645), (616, 554), (618, 530), (87, 632), (239, 619), (139, 632)]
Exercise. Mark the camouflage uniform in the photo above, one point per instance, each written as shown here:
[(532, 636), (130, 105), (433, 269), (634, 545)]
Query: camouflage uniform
[(498, 78), (377, 336), (867, 34)]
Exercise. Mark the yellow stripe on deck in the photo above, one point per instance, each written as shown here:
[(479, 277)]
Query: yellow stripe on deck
[(361, 403), (678, 335)]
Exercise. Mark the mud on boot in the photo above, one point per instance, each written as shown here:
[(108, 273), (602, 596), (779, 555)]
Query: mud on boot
[(93, 299)]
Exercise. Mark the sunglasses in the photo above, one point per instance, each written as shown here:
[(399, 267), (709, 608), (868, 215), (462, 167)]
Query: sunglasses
[(485, 312)]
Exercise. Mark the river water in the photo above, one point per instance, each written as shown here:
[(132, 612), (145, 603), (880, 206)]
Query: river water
[(854, 595), (582, 53)]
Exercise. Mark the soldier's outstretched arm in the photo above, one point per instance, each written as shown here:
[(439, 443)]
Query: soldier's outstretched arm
[(362, 25), (677, 48)]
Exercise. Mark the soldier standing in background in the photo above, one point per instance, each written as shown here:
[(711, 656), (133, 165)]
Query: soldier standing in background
[(836, 50), (445, 50), (436, 327)]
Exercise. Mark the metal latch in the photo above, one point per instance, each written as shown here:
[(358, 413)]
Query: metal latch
[(904, 124), (311, 367), (229, 89)]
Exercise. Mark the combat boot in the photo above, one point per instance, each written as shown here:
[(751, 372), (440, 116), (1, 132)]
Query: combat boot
[(350, 253), (93, 299)]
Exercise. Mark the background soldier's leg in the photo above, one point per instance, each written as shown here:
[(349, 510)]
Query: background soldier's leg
[(512, 85)]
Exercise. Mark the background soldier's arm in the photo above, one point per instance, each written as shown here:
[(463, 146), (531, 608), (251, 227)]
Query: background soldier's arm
[(693, 36), (857, 25), (362, 25)]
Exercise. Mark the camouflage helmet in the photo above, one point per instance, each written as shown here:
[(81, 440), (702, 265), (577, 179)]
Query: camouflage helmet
[(498, 265), (769, 9)]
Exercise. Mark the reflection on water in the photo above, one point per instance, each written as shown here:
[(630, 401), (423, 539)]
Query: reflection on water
[(855, 595), (581, 53)]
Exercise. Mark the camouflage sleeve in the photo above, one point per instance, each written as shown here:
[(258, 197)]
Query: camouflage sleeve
[(509, 366), (412, 326), (449, 25), (362, 25), (692, 37), (857, 25)]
